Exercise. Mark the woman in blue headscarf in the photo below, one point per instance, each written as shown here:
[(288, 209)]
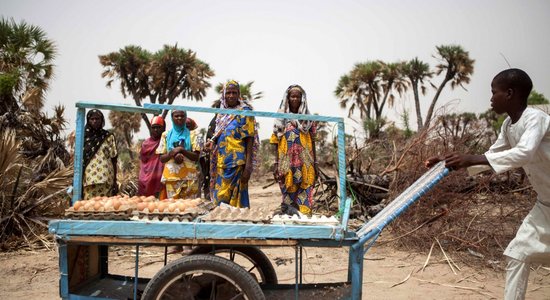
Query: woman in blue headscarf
[(179, 152)]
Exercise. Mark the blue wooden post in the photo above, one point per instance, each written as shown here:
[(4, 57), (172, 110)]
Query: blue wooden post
[(63, 269), (356, 269), (78, 153)]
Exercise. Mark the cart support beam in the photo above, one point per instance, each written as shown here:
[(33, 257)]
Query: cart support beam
[(356, 271)]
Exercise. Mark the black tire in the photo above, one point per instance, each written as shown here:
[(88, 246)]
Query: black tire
[(259, 260), (202, 277)]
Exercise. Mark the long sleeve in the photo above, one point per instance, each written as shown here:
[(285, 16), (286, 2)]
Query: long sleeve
[(517, 143)]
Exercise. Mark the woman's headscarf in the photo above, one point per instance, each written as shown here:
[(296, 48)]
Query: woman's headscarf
[(222, 120), (284, 107), (93, 138), (178, 134)]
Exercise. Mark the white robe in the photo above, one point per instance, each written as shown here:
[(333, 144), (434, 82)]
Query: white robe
[(527, 144)]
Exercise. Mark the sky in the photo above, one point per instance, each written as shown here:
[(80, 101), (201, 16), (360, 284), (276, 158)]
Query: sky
[(279, 43)]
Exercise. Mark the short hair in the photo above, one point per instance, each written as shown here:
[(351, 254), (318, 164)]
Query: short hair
[(517, 80)]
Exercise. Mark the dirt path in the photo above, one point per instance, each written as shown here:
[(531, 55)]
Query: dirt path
[(388, 273)]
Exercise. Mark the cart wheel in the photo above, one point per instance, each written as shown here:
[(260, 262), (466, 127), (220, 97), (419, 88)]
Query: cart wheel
[(202, 277), (257, 263)]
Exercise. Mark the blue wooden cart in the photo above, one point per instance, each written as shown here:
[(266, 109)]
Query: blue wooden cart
[(83, 244)]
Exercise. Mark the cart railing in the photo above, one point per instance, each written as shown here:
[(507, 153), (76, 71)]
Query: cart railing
[(344, 206), (372, 229)]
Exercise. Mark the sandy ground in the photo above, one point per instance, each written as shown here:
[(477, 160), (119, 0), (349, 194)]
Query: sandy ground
[(388, 273)]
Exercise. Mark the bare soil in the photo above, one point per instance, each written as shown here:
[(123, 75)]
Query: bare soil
[(388, 273)]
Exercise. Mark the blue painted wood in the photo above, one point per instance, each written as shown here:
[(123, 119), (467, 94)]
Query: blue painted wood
[(78, 154), (342, 164), (63, 270), (252, 113), (117, 107), (138, 229), (356, 258), (345, 215)]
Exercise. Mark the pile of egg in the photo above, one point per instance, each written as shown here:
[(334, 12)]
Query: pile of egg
[(109, 204), (168, 205)]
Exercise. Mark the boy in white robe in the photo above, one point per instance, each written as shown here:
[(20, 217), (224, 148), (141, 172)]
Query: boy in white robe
[(524, 141)]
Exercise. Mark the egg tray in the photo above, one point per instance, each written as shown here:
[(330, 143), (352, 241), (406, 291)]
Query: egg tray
[(186, 216), (238, 215), (98, 215), (305, 220)]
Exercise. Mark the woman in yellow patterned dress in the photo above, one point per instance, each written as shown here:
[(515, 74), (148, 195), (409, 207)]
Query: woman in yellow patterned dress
[(234, 146), (179, 152), (100, 158), (294, 145)]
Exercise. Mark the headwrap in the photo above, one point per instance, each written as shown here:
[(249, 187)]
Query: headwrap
[(178, 134), (222, 120), (158, 120), (284, 107), (93, 138)]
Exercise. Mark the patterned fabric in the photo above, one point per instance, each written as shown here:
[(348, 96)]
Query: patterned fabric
[(228, 187), (93, 138), (296, 165), (228, 155), (181, 180), (100, 169), (284, 107), (95, 190), (150, 172)]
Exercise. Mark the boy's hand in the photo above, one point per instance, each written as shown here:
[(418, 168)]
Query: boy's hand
[(457, 161), (430, 162)]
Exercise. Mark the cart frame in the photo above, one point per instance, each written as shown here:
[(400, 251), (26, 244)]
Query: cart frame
[(98, 235)]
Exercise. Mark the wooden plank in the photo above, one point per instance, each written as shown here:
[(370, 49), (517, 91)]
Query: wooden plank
[(191, 230), (163, 241), (252, 113), (117, 107)]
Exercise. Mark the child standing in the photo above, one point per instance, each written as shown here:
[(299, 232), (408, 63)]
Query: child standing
[(524, 141)]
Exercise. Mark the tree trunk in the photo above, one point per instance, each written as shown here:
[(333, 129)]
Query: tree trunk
[(432, 106), (419, 122)]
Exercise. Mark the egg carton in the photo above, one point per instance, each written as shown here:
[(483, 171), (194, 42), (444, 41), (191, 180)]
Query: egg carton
[(155, 216), (305, 220), (98, 215), (238, 215)]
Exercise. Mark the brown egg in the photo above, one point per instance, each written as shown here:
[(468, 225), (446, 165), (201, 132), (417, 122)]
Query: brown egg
[(97, 206), (161, 206), (116, 204), (141, 206), (77, 205), (181, 206), (88, 206), (172, 207), (152, 206)]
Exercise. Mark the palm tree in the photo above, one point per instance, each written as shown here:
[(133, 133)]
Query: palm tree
[(417, 71), (162, 77), (26, 65), (125, 124), (392, 80), (362, 87), (458, 67)]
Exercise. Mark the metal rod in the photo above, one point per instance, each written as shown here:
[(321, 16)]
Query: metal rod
[(165, 255), (136, 273), (301, 259), (296, 275)]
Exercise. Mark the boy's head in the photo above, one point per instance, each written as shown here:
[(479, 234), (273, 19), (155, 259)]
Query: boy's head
[(515, 80)]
